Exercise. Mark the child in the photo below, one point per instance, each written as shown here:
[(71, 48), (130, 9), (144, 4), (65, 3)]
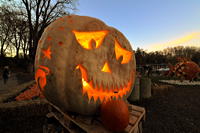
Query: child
[(5, 74)]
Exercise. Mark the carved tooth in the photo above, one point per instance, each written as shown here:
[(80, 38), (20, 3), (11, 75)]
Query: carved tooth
[(125, 83), (108, 88), (121, 85), (95, 98), (121, 94), (114, 97), (100, 90), (89, 97), (107, 98), (117, 87), (101, 98), (86, 95), (92, 99), (103, 86), (98, 85), (94, 83), (112, 86), (117, 96)]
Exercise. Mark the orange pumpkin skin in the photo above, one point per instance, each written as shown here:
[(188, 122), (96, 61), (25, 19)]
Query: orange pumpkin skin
[(115, 115)]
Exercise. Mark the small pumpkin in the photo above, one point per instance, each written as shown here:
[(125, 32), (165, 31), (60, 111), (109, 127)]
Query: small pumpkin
[(81, 62), (115, 115)]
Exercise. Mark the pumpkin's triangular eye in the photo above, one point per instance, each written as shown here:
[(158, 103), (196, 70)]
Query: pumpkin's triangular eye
[(119, 51), (85, 38)]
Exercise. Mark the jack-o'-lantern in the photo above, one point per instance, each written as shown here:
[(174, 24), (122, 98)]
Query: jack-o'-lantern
[(185, 69), (89, 62)]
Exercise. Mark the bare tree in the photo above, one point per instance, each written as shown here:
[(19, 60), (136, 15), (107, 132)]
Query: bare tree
[(24, 45), (5, 23), (19, 29), (40, 13)]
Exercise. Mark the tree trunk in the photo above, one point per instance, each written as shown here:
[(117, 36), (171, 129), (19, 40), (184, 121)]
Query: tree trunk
[(17, 53), (2, 51)]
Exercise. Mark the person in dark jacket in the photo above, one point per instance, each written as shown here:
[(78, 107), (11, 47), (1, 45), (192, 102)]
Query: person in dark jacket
[(5, 74)]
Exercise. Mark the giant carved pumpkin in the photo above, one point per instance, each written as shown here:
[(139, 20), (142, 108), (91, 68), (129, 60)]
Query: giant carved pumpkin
[(81, 62)]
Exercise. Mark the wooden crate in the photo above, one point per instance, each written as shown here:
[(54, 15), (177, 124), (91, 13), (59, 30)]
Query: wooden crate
[(85, 124)]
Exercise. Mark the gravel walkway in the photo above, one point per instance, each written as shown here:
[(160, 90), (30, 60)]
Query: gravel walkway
[(14, 80), (175, 109)]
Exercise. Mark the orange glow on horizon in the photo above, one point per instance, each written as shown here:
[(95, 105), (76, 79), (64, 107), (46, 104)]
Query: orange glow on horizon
[(85, 38), (178, 42)]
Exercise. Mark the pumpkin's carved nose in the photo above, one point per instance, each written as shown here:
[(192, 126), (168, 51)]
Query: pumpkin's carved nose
[(106, 68)]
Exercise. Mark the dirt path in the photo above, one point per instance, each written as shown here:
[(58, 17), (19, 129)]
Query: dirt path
[(14, 80), (175, 110)]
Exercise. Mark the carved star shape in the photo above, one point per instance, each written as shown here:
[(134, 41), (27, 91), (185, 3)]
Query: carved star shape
[(47, 53)]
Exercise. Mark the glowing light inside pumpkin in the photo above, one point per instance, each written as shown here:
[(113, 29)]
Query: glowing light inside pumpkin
[(85, 38), (106, 68), (104, 94), (119, 51)]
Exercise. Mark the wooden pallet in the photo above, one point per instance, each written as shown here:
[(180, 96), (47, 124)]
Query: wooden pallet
[(85, 124)]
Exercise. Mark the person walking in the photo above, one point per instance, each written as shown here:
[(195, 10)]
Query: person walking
[(6, 74)]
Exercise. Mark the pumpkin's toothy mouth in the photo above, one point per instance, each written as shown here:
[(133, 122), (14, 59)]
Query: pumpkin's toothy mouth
[(102, 93)]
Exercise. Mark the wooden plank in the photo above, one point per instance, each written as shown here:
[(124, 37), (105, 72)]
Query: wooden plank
[(132, 120), (134, 127), (128, 128), (139, 113), (49, 115), (140, 127), (67, 117), (137, 108), (87, 124), (136, 130), (135, 113), (62, 122)]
